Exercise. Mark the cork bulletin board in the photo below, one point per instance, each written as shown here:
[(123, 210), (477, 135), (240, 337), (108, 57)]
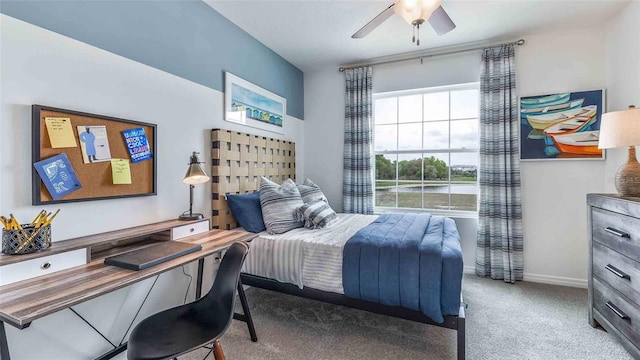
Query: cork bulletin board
[(95, 176)]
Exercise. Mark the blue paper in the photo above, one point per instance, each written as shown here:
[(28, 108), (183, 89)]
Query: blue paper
[(58, 176), (137, 144)]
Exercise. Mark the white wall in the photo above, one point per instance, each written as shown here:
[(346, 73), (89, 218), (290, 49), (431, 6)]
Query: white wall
[(553, 191), (42, 67), (622, 33)]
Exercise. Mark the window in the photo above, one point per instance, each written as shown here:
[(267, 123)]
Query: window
[(426, 148)]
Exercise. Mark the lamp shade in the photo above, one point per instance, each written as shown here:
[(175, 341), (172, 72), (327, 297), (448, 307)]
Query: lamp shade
[(620, 129), (195, 173), (412, 10)]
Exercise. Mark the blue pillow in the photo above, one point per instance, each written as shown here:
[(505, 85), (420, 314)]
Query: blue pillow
[(247, 211)]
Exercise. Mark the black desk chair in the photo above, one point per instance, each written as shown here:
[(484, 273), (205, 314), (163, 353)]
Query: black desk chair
[(176, 331)]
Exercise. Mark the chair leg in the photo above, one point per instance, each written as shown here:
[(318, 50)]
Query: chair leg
[(218, 354), (247, 312)]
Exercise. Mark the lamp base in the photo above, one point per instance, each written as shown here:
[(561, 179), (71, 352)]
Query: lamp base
[(187, 217), (628, 176)]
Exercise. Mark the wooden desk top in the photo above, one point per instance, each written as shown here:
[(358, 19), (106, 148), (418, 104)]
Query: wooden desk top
[(25, 301)]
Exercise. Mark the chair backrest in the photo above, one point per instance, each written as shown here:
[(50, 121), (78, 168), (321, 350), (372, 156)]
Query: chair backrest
[(221, 297)]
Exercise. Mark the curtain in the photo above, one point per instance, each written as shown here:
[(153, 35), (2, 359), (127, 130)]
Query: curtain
[(499, 248), (357, 188)]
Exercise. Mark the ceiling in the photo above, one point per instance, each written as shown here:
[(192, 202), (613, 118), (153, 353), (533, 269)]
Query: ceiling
[(315, 33)]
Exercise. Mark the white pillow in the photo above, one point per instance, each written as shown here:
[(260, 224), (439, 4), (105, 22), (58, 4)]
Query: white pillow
[(310, 191), (278, 204)]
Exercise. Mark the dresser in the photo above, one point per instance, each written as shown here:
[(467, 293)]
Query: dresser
[(614, 267)]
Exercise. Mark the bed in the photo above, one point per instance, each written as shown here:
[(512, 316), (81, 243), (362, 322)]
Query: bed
[(327, 264)]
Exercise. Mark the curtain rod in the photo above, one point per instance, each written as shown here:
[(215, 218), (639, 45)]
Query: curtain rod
[(343, 68)]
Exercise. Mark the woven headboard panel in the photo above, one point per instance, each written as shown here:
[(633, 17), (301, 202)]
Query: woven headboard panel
[(238, 162)]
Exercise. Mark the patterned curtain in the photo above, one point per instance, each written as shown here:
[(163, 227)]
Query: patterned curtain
[(499, 248), (357, 188)]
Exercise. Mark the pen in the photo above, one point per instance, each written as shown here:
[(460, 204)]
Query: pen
[(48, 221), (42, 220), (38, 217)]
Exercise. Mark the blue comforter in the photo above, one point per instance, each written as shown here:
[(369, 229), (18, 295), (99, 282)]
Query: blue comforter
[(408, 260)]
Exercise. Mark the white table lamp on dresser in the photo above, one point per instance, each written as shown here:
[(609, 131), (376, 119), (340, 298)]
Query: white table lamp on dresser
[(620, 129)]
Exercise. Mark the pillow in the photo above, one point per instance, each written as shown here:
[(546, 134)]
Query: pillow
[(315, 214), (310, 191), (247, 211), (278, 205)]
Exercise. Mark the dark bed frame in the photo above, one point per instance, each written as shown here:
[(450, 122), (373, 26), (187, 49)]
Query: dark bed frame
[(456, 323), (238, 161)]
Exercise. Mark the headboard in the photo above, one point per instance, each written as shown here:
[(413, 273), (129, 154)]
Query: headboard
[(238, 162)]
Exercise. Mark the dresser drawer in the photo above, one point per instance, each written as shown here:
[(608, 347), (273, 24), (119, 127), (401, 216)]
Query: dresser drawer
[(41, 266), (190, 229), (617, 231), (618, 310), (617, 271)]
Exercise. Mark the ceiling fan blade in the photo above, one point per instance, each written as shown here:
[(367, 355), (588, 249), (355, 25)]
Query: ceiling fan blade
[(374, 23), (441, 22)]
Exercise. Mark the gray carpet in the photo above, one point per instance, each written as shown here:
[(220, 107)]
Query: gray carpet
[(522, 321)]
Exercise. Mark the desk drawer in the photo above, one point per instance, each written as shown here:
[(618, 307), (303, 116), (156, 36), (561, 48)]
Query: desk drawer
[(618, 310), (41, 266), (190, 229), (617, 231)]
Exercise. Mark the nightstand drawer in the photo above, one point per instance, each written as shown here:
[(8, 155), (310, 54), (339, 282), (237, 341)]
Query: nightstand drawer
[(618, 310), (617, 231), (617, 271), (41, 266), (189, 229)]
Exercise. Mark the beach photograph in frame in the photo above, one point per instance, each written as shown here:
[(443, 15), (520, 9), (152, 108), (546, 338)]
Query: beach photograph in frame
[(251, 105), (561, 126)]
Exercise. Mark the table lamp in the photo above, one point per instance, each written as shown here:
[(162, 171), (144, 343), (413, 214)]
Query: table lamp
[(195, 175), (619, 129)]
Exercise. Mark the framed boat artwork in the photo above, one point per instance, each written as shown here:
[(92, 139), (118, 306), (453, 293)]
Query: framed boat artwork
[(561, 126)]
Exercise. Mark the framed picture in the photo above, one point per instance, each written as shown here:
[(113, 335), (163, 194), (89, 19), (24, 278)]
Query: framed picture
[(561, 126), (251, 105)]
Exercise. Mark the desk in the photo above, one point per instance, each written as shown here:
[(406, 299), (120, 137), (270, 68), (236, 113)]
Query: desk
[(25, 301)]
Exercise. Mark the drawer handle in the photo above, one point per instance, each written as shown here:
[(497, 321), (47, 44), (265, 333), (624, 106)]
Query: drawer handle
[(619, 273), (617, 311), (45, 266), (192, 230), (617, 232)]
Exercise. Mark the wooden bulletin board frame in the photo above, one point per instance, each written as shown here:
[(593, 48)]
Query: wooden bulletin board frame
[(95, 177)]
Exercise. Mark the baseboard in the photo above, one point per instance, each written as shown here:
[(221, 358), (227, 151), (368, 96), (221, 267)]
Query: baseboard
[(544, 279)]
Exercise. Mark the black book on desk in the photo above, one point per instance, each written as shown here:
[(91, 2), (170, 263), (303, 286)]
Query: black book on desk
[(152, 255)]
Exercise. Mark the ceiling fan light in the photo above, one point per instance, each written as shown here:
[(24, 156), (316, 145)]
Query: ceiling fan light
[(415, 10)]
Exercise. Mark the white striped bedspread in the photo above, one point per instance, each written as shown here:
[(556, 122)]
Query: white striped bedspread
[(303, 257)]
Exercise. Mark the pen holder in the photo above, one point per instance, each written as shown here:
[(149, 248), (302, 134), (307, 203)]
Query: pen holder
[(29, 239)]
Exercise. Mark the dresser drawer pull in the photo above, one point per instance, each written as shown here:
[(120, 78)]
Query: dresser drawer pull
[(617, 232), (45, 266), (617, 311), (619, 273)]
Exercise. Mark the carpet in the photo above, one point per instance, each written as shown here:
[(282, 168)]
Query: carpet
[(504, 321)]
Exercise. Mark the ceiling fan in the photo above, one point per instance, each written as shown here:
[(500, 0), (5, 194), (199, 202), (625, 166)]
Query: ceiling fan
[(414, 12)]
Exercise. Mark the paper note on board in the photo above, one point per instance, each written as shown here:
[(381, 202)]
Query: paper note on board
[(120, 171), (60, 132)]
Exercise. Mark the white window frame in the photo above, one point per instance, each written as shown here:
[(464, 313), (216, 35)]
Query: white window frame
[(392, 94)]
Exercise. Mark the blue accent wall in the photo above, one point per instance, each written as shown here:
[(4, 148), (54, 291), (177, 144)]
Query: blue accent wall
[(185, 38)]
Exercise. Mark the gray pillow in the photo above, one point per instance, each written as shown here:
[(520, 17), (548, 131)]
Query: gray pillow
[(310, 191), (315, 214), (279, 203)]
